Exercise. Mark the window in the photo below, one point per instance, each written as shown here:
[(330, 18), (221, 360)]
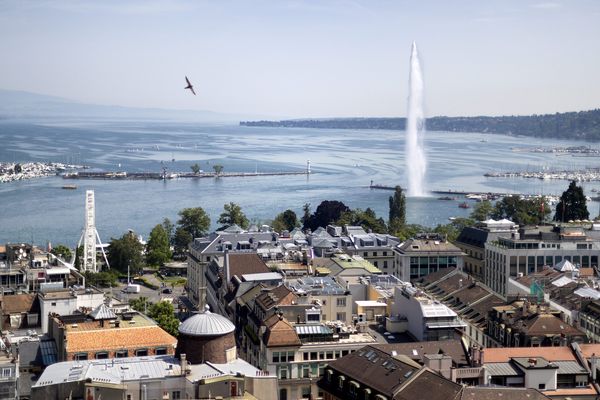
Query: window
[(385, 264), (374, 254), (385, 253), (314, 355), (80, 356), (305, 371), (305, 356), (160, 351), (375, 264), (341, 302), (283, 394), (141, 352), (176, 395), (306, 392), (341, 316), (53, 304), (121, 354), (101, 355), (542, 386), (6, 372)]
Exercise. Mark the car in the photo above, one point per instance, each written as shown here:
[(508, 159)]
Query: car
[(167, 291)]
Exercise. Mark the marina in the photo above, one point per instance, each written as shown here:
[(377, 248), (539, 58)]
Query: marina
[(583, 175), (173, 175)]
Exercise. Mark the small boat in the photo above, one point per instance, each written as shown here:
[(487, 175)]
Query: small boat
[(446, 198), (464, 204), (69, 187)]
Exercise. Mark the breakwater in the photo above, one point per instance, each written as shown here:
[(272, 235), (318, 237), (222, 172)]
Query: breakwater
[(172, 175)]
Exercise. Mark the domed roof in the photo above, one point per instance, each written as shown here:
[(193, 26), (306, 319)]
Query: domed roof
[(206, 324)]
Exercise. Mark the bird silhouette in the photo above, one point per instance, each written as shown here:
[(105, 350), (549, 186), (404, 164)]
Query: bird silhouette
[(189, 85)]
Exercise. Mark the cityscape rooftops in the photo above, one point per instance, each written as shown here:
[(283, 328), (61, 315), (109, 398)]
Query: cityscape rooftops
[(316, 286)]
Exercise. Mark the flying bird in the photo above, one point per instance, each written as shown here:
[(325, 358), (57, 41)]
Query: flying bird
[(189, 85)]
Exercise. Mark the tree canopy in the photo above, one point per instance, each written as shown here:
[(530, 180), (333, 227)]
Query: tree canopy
[(62, 251), (164, 315), (329, 211), (195, 168), (286, 220), (482, 211), (233, 214), (194, 221), (521, 211), (181, 239), (218, 169), (367, 219), (158, 249), (397, 214), (572, 204), (126, 251)]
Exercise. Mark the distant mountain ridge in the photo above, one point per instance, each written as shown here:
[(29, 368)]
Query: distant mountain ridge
[(26, 105), (584, 125)]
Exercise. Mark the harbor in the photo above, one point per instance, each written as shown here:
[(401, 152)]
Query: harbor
[(10, 172), (583, 175)]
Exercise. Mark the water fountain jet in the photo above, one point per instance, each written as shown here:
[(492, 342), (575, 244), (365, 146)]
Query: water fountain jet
[(416, 163)]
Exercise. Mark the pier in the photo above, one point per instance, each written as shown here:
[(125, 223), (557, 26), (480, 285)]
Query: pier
[(173, 175)]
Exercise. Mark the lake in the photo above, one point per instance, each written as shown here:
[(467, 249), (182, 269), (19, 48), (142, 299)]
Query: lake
[(343, 162)]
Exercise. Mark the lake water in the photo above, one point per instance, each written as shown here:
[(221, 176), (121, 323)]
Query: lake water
[(343, 163)]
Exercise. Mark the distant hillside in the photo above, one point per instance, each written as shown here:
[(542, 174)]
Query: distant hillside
[(571, 125), (25, 105)]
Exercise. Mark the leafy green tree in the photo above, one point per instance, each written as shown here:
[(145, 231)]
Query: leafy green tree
[(140, 304), (286, 220), (572, 204), (218, 169), (169, 228), (158, 249), (327, 213), (62, 251), (408, 231), (521, 211), (78, 256), (126, 252), (195, 169), (305, 215), (102, 279), (482, 211), (453, 229), (195, 221), (233, 214), (367, 219), (397, 214), (181, 240), (164, 315)]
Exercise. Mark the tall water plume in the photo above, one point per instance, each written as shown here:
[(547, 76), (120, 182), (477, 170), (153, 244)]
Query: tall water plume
[(416, 163)]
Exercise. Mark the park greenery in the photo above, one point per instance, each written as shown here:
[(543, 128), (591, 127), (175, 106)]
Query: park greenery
[(572, 205), (285, 221), (62, 251)]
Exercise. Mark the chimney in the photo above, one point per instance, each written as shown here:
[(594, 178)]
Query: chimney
[(183, 363), (532, 362), (594, 365), (226, 265)]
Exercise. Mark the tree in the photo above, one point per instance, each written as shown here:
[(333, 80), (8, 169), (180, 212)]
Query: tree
[(233, 215), (164, 315), (397, 215), (366, 219), (169, 228), (62, 251), (572, 204), (521, 211), (286, 220), (126, 252), (327, 213), (218, 169), (454, 228), (158, 250), (408, 231), (482, 211), (140, 304), (195, 169), (102, 279), (78, 255), (305, 215), (181, 239), (195, 221)]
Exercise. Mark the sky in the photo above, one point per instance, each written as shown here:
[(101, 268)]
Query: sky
[(305, 58)]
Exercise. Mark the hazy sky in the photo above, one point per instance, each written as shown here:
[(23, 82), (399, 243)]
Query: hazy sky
[(302, 58)]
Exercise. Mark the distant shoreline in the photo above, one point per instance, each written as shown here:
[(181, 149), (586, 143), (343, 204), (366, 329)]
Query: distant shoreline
[(583, 125)]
